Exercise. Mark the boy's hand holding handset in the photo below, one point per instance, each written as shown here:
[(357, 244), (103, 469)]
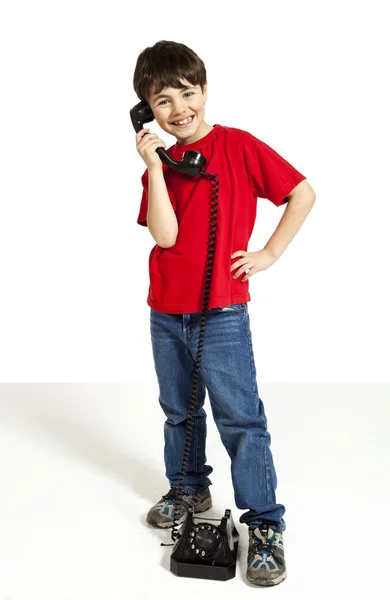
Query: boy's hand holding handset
[(147, 144)]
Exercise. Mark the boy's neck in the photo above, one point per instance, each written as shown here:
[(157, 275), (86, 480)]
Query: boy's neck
[(199, 133)]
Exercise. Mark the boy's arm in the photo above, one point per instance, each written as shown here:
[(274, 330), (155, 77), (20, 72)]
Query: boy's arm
[(161, 219), (300, 203)]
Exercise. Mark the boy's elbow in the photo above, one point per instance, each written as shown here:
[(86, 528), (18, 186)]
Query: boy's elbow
[(164, 242), (170, 239), (167, 244)]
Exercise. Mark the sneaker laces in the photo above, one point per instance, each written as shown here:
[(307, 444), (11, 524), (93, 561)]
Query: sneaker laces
[(171, 495), (258, 544)]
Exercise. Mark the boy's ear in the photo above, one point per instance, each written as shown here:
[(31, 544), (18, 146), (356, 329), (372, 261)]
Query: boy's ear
[(205, 90)]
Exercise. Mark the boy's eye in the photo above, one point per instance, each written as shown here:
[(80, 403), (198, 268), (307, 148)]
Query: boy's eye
[(191, 93)]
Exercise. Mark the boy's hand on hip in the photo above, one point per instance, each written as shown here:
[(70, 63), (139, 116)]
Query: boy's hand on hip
[(252, 262)]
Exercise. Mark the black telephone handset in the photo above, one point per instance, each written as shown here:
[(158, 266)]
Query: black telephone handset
[(192, 163), (201, 549)]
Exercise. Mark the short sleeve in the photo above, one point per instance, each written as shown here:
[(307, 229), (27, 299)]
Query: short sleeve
[(270, 175), (143, 211)]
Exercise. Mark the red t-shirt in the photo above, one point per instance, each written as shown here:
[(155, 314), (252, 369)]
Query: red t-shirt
[(247, 169)]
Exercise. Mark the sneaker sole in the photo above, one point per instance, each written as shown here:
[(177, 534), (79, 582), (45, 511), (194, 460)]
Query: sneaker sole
[(267, 582), (202, 507)]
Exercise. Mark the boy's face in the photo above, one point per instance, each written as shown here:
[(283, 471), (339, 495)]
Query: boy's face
[(172, 105)]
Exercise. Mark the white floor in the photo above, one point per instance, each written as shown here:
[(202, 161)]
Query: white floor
[(80, 465)]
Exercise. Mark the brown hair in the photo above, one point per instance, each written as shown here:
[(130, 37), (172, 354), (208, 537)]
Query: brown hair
[(163, 65)]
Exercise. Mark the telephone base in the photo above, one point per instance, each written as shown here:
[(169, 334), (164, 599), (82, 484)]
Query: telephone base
[(205, 550)]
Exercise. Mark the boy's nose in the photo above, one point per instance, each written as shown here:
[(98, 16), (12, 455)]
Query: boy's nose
[(179, 110)]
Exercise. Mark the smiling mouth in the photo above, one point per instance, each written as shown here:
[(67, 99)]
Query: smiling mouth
[(176, 123)]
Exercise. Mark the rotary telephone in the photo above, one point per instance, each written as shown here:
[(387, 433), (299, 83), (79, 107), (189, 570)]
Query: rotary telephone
[(200, 549)]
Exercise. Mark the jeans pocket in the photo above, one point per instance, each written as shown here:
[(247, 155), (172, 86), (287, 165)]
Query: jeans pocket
[(231, 308)]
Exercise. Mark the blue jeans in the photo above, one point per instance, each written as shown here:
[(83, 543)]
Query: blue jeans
[(229, 374)]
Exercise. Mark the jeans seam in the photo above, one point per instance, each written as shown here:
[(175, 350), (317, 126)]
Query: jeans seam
[(195, 432), (251, 357), (266, 474)]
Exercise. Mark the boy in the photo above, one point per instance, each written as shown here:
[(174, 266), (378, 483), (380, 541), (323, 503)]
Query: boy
[(171, 78)]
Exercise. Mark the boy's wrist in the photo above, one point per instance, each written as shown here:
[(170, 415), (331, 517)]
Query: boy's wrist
[(155, 169)]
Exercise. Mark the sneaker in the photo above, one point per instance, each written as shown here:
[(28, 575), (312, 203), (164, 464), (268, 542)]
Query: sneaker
[(161, 514), (266, 564)]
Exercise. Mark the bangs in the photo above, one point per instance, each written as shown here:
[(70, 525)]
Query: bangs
[(166, 80), (167, 64)]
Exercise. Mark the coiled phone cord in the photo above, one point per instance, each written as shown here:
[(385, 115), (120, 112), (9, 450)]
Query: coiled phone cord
[(192, 403)]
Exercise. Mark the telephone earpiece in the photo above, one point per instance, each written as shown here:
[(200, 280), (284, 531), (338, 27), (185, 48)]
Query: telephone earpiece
[(192, 163)]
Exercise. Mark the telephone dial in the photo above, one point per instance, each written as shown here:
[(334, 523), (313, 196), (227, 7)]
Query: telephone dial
[(200, 549)]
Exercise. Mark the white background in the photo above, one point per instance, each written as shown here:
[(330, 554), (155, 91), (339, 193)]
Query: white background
[(82, 463), (308, 78)]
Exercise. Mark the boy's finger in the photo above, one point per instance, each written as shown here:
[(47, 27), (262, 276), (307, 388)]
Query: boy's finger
[(142, 132)]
